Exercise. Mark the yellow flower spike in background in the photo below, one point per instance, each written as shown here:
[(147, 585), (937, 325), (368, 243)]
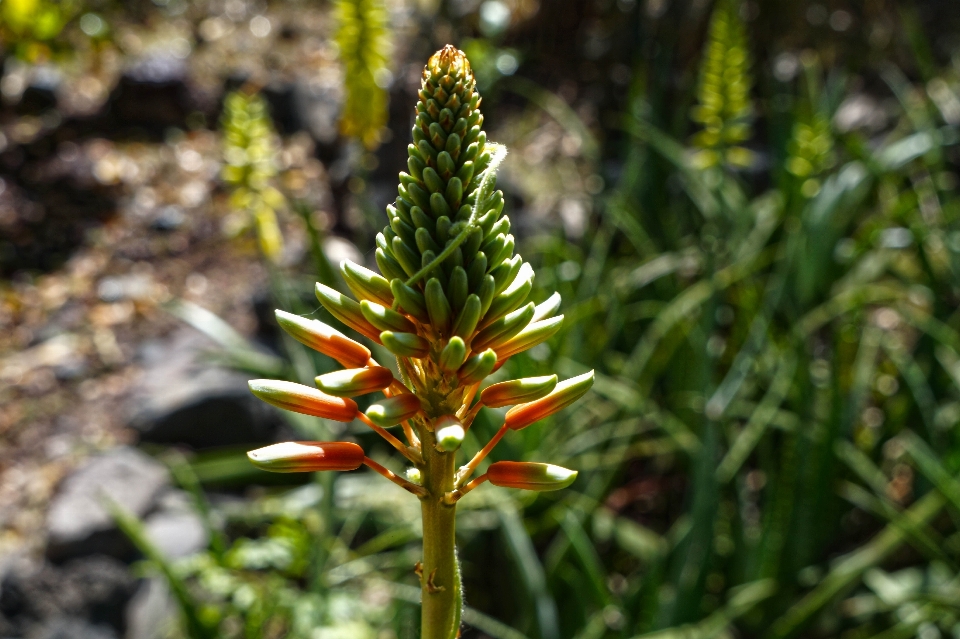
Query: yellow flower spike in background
[(249, 152), (452, 304)]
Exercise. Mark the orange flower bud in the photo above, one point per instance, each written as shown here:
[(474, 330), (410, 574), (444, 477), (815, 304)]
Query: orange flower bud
[(355, 381), (566, 393), (303, 399), (530, 475), (307, 457), (324, 339), (517, 391)]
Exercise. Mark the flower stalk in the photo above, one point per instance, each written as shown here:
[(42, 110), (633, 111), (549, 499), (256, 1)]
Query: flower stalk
[(451, 302)]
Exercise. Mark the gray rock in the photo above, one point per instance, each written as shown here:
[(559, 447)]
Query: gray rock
[(71, 628), (152, 612), (37, 599), (78, 523), (182, 398), (176, 529)]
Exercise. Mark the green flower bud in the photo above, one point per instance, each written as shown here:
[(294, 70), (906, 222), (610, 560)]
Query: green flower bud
[(425, 241), (547, 307), (386, 319), (411, 301), (409, 260), (393, 410), (439, 206), (535, 333), (414, 476), (366, 284), (468, 318), (432, 180), (505, 274), (445, 165), (477, 367), (453, 355), (504, 328), (355, 381), (388, 265), (449, 432), (346, 310), (405, 344), (458, 288), (513, 297), (438, 308)]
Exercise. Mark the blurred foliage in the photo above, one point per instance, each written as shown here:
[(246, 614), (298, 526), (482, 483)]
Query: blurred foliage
[(723, 93), (30, 26), (249, 153), (363, 37)]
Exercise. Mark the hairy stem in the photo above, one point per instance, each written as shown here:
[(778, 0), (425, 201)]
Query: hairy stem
[(440, 580)]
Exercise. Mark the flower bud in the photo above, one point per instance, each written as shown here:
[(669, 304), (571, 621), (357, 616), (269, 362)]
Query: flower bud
[(530, 475), (547, 307), (386, 319), (325, 339), (414, 476), (355, 381), (411, 300), (504, 328), (477, 367), (405, 344), (535, 333), (393, 410), (566, 393), (307, 457), (453, 355), (346, 310), (513, 297), (449, 432), (303, 399), (366, 284), (517, 391)]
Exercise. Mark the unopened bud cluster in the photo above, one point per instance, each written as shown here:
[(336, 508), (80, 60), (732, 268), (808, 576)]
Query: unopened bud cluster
[(451, 302)]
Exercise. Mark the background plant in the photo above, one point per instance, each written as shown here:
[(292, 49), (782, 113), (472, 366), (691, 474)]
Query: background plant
[(363, 38), (250, 155)]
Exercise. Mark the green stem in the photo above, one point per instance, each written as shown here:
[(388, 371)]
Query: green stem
[(440, 581)]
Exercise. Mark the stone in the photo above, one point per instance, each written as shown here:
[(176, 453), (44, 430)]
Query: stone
[(71, 628), (175, 528), (36, 600), (78, 522), (152, 611), (183, 398)]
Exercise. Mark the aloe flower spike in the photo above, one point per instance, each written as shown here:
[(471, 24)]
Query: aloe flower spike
[(452, 303)]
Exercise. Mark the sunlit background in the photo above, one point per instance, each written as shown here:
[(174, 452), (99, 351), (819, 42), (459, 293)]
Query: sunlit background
[(749, 207)]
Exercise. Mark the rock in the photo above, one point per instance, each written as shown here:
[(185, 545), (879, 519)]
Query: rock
[(182, 399), (96, 589), (78, 522), (71, 628), (152, 611), (176, 528)]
